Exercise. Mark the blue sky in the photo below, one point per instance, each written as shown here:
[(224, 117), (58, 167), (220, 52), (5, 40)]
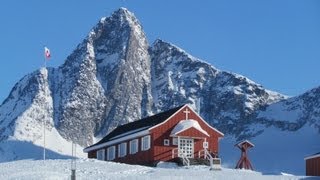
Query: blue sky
[(275, 43)]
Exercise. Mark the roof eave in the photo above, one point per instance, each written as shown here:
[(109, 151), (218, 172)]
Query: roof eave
[(313, 156), (186, 105), (177, 133), (115, 141), (241, 142)]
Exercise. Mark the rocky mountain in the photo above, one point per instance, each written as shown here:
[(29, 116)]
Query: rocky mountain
[(293, 113), (105, 82), (227, 100), (114, 76)]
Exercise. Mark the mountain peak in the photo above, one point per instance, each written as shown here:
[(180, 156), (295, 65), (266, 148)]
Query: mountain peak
[(123, 10), (120, 20), (124, 14), (159, 43), (116, 30)]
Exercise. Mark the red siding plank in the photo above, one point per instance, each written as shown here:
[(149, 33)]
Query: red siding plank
[(313, 167)]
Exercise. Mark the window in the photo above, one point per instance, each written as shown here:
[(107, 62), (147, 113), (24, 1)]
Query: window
[(134, 146), (186, 146), (111, 153), (101, 154), (122, 149), (175, 141), (206, 145), (166, 142), (145, 143)]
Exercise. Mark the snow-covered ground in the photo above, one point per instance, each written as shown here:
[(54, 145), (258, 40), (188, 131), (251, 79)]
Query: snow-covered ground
[(275, 152), (94, 170)]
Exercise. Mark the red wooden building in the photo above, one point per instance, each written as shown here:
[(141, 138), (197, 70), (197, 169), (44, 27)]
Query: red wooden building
[(179, 132), (313, 165)]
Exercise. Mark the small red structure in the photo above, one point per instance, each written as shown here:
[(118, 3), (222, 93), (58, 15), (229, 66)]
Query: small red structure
[(244, 162), (313, 165), (178, 132)]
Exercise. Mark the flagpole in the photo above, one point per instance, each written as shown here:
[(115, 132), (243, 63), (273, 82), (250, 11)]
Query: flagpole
[(46, 56), (44, 120)]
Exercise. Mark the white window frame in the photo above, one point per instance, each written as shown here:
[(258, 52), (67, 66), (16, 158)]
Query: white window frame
[(111, 153), (205, 145), (186, 146), (145, 143), (101, 154), (166, 142), (134, 146), (175, 141), (122, 149)]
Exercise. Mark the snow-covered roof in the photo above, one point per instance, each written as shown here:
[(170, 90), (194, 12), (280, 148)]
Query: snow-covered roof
[(129, 133), (133, 129), (312, 156), (245, 141), (187, 124)]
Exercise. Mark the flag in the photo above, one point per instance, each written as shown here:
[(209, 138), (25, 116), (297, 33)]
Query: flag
[(47, 54)]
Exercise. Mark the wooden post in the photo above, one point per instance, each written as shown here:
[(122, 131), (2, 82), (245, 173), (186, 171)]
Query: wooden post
[(73, 174), (178, 146), (73, 161)]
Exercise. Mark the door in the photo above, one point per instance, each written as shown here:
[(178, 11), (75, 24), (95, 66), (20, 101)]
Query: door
[(186, 147)]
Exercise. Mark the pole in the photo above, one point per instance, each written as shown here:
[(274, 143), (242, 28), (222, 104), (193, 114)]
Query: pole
[(44, 121), (44, 139), (73, 161)]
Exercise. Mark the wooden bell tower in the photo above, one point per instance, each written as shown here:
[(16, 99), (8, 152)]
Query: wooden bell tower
[(244, 162)]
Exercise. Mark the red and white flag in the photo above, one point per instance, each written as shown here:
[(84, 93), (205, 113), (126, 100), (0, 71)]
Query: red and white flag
[(47, 54)]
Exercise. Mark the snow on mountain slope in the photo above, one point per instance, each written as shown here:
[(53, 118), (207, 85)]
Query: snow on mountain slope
[(90, 169), (294, 113), (275, 151), (22, 96), (26, 132), (282, 112)]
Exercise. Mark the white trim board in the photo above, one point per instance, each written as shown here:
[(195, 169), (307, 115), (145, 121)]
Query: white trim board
[(241, 142), (313, 156), (186, 105)]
